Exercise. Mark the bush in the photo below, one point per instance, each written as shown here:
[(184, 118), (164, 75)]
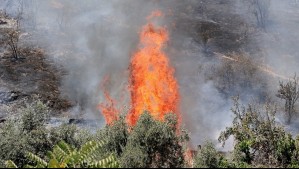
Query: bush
[(207, 157), (25, 133), (28, 133), (153, 143), (65, 156), (259, 139), (116, 134)]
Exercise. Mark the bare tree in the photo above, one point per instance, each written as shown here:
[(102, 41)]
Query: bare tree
[(260, 9), (290, 93), (11, 37)]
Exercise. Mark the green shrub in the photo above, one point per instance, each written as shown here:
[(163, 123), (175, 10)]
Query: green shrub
[(152, 143), (259, 140), (65, 156), (27, 132)]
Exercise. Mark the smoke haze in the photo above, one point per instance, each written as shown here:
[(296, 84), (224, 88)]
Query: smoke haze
[(94, 39)]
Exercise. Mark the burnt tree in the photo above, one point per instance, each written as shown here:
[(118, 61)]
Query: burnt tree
[(260, 9), (290, 93), (11, 37)]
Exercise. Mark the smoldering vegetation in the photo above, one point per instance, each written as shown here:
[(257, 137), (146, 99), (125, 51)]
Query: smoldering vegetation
[(219, 49)]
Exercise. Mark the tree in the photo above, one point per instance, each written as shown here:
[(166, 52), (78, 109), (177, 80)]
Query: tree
[(290, 93), (116, 135), (260, 9), (24, 133), (207, 157), (153, 143), (12, 37), (64, 156), (28, 133), (259, 140)]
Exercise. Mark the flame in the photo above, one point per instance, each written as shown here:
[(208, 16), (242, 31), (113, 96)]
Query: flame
[(152, 84), (189, 157), (108, 109), (153, 87)]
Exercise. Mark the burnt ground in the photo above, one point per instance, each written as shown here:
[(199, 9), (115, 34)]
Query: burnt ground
[(215, 26), (29, 76)]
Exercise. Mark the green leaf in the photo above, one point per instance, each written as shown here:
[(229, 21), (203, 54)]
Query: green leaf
[(65, 147), (104, 163), (10, 164), (54, 164), (29, 166), (36, 159)]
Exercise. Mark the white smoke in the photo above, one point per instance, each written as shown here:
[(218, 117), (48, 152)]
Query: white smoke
[(96, 38)]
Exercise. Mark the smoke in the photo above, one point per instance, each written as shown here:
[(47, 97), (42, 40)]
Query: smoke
[(96, 39), (277, 43)]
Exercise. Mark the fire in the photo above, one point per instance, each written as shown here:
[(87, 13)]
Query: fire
[(153, 86), (152, 82), (108, 109)]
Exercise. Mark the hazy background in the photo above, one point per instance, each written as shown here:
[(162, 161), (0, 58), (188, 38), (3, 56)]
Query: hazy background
[(93, 39)]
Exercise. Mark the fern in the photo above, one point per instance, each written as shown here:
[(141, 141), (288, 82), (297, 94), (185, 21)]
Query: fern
[(34, 158), (29, 166), (63, 156), (104, 162), (10, 164), (65, 147)]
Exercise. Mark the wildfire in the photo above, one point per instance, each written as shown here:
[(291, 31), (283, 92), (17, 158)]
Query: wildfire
[(108, 109), (153, 86), (152, 83)]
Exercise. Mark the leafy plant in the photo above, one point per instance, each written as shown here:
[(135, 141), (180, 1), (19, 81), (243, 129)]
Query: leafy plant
[(207, 157), (259, 139), (153, 143), (64, 156)]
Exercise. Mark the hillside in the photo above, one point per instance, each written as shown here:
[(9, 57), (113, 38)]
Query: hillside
[(143, 75)]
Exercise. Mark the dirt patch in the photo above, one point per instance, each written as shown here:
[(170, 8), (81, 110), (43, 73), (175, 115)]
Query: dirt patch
[(31, 75)]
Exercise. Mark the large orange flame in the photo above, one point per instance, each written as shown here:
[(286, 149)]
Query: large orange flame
[(152, 83)]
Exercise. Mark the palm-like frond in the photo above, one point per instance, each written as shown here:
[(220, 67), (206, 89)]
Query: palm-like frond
[(10, 164), (104, 163), (63, 156), (90, 151), (34, 158)]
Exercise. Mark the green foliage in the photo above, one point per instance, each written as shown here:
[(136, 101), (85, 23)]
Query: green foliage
[(70, 134), (34, 116), (28, 133), (64, 156), (285, 149), (152, 143), (24, 133), (134, 156), (207, 157), (295, 155), (259, 139), (10, 164), (117, 135)]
